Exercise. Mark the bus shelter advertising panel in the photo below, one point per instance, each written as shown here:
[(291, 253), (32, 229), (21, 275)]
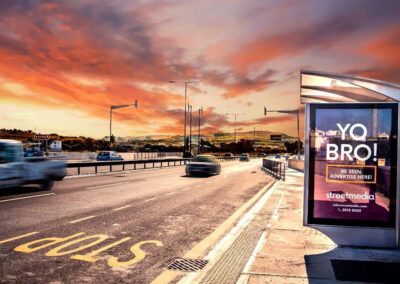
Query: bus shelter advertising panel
[(352, 164)]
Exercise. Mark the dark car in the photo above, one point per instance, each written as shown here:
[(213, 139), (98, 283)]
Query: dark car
[(109, 156), (203, 164), (244, 157), (228, 155), (278, 156)]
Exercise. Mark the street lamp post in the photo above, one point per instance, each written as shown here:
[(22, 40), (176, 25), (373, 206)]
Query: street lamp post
[(198, 137), (235, 114), (135, 105), (190, 131), (184, 131), (293, 111)]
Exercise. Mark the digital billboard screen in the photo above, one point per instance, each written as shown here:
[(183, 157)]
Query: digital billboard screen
[(352, 164)]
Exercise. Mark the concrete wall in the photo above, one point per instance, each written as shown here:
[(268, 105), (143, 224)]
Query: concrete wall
[(296, 164)]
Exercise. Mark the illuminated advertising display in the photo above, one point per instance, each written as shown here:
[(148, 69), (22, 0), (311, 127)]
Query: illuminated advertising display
[(352, 164)]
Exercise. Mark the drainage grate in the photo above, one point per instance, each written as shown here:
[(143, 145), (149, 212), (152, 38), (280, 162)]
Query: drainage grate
[(187, 265)]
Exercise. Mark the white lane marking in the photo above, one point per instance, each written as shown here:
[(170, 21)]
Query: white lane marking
[(26, 197), (120, 208), (106, 185), (147, 200), (171, 193), (186, 189), (82, 219)]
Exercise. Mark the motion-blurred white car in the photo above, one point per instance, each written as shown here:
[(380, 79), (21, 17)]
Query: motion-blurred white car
[(16, 170)]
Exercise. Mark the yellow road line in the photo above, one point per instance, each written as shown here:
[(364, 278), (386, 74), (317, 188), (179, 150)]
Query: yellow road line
[(171, 193), (203, 246), (18, 237), (147, 200), (82, 219), (123, 207)]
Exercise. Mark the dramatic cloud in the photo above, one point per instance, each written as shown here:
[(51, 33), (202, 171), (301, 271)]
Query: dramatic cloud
[(64, 58)]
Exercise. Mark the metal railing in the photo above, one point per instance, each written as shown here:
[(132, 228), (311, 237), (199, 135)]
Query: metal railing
[(274, 168), (127, 165), (133, 164)]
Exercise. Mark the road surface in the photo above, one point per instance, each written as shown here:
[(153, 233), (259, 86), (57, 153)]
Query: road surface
[(118, 228)]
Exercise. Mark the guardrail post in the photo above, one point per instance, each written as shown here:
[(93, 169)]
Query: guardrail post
[(174, 163), (144, 164), (123, 167), (161, 165), (168, 163), (134, 166), (110, 167), (95, 169), (153, 164), (79, 170)]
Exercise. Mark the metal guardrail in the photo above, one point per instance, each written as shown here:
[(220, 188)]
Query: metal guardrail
[(274, 168), (152, 162)]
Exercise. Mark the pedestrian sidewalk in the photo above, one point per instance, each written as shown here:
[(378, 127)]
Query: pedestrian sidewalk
[(288, 252)]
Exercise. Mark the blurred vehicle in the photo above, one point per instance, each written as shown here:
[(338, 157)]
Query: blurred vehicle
[(109, 156), (187, 155), (15, 170), (278, 156), (244, 157), (228, 155), (33, 150), (286, 156), (262, 155), (203, 164)]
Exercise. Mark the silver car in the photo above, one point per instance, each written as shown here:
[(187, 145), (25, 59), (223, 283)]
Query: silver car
[(203, 164)]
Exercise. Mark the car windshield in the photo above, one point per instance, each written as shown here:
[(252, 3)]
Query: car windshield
[(205, 159), (9, 154)]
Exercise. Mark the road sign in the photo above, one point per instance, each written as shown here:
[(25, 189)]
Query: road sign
[(42, 136), (275, 137)]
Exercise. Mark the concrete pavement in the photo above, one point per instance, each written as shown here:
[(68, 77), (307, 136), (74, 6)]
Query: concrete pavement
[(288, 252)]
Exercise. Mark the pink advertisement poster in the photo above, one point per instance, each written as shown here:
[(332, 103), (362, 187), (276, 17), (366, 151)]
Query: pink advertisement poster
[(352, 164)]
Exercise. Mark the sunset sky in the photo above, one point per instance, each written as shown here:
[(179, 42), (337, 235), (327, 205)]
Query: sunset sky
[(63, 63)]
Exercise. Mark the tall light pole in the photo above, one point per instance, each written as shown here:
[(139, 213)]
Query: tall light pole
[(292, 111), (198, 137), (185, 83), (190, 131), (135, 105), (235, 114)]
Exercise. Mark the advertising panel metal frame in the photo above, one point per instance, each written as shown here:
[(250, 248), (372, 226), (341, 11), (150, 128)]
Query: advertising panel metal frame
[(350, 232)]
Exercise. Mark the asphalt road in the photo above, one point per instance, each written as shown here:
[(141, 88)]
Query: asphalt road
[(118, 228)]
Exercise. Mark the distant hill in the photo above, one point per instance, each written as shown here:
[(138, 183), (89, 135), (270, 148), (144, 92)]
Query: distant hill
[(217, 138)]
